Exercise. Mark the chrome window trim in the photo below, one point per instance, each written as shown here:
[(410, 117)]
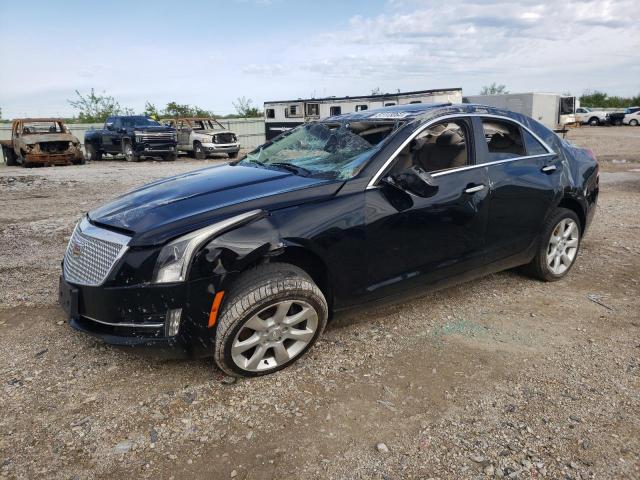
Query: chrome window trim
[(374, 180)]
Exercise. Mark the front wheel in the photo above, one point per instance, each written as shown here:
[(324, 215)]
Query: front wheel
[(559, 247), (198, 151), (271, 316), (633, 122), (10, 158), (594, 122), (129, 154)]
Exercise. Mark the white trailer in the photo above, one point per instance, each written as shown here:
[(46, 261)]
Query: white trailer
[(553, 110), (283, 115)]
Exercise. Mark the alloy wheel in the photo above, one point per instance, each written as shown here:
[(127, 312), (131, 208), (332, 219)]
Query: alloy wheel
[(274, 336), (563, 246)]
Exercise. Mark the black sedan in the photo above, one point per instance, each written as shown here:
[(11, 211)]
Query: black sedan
[(247, 261)]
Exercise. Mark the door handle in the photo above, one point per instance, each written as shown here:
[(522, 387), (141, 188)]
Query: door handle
[(474, 189), (549, 168)]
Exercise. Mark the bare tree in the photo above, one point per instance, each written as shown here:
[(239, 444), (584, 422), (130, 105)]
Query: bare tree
[(244, 107)]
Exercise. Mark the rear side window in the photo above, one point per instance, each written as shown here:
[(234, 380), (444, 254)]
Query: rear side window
[(270, 113), (533, 146), (335, 111), (504, 140)]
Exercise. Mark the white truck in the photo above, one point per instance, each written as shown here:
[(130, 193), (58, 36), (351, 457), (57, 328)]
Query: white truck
[(201, 137), (553, 110), (592, 117)]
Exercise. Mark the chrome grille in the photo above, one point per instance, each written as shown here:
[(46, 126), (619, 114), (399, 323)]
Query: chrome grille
[(157, 137), (91, 254)]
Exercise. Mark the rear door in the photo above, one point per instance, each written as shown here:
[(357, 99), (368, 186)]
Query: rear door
[(524, 178)]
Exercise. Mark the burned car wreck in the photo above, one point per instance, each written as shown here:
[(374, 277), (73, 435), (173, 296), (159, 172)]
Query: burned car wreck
[(41, 142), (247, 261)]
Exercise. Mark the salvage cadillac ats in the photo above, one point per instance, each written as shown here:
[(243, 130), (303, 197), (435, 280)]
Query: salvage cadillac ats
[(247, 261)]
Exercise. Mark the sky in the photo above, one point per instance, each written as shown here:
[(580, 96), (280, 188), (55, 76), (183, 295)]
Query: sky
[(209, 53)]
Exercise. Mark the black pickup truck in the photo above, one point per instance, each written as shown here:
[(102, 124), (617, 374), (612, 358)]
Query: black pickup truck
[(134, 137)]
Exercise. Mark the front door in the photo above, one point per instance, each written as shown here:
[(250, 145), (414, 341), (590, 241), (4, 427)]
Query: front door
[(414, 240)]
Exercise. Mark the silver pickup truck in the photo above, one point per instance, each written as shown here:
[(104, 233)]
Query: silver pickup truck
[(204, 136)]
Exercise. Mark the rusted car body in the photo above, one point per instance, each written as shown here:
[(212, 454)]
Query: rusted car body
[(41, 142)]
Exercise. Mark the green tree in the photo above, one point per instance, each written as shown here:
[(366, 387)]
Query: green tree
[(494, 89), (95, 108), (150, 110), (244, 107), (598, 99), (174, 109)]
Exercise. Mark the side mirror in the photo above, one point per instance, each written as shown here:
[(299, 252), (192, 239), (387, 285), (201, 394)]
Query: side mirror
[(414, 180), (122, 130), (109, 126)]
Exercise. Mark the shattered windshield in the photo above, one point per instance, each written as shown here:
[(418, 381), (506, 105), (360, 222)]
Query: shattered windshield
[(323, 150)]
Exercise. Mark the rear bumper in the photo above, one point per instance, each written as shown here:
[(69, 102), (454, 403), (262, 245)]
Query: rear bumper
[(136, 316)]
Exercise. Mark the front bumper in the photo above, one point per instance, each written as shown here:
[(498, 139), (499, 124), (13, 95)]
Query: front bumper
[(136, 316), (221, 148), (154, 148), (52, 158)]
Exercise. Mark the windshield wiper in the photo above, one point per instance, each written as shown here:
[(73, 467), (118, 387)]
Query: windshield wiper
[(292, 168)]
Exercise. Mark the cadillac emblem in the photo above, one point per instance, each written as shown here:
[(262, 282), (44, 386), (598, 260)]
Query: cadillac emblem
[(76, 248)]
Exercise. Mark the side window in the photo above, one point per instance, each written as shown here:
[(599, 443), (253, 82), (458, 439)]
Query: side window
[(533, 146), (504, 140), (293, 111), (270, 113), (415, 101), (439, 147), (313, 109), (360, 108), (335, 111), (117, 123), (389, 104)]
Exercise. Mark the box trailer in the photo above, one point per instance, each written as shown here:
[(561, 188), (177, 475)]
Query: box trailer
[(553, 110), (283, 115)]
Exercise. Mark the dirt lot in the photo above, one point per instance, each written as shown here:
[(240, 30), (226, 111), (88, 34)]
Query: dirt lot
[(502, 377)]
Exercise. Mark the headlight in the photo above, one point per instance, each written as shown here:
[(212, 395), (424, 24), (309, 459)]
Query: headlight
[(175, 258), (138, 138), (175, 136)]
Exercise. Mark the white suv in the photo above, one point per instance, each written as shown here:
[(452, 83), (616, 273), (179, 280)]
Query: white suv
[(632, 116), (204, 136), (593, 118)]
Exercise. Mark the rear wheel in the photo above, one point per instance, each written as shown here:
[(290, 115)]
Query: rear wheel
[(633, 122), (9, 157), (271, 316), (198, 151), (559, 247), (129, 154), (594, 121), (92, 153)]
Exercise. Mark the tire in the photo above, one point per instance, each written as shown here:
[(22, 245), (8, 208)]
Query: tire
[(233, 155), (633, 122), (259, 298), (594, 121), (551, 262), (129, 154), (9, 155), (169, 157), (198, 151), (92, 153)]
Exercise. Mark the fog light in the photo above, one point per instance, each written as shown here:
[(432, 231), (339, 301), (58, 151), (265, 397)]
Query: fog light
[(172, 323)]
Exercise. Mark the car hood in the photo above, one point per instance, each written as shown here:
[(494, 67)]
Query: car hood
[(48, 137), (173, 206)]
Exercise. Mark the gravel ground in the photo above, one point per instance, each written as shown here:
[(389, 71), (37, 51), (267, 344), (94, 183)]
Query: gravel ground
[(504, 377)]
